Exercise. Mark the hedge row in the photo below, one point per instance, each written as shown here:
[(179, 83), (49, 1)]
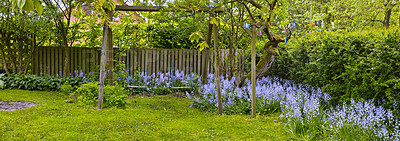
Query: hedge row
[(364, 64)]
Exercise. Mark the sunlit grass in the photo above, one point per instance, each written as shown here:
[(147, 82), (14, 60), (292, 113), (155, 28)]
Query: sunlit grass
[(145, 118)]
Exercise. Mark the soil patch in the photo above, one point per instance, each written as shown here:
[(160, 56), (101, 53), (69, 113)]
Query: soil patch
[(12, 106)]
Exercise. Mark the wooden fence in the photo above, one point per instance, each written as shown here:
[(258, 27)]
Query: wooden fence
[(49, 60)]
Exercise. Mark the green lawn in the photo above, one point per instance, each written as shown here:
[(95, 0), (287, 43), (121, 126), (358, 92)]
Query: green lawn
[(145, 118)]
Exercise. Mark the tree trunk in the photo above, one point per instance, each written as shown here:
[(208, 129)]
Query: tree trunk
[(216, 68), (110, 56), (20, 53), (253, 71), (66, 49), (206, 52), (105, 45), (386, 22), (28, 60), (12, 55)]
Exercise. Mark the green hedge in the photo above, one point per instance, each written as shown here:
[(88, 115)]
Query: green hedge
[(364, 64)]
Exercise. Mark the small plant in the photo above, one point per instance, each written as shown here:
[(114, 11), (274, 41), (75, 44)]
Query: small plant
[(66, 88), (161, 90), (1, 81), (113, 95), (88, 93)]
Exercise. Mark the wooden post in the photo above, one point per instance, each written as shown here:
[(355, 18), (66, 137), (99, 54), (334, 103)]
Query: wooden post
[(111, 53), (253, 71), (105, 45), (216, 68), (205, 52)]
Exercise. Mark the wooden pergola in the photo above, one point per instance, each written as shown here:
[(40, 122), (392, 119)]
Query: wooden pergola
[(107, 46)]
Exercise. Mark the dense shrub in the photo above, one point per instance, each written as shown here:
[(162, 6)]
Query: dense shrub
[(113, 95), (43, 83), (358, 65)]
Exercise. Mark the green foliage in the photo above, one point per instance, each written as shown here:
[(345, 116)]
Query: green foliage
[(66, 88), (353, 132), (113, 95), (362, 64), (1, 81), (44, 83), (171, 37)]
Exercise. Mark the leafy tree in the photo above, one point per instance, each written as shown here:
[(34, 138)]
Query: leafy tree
[(67, 29), (21, 32)]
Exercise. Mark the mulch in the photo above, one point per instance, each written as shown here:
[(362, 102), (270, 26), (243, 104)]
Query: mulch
[(12, 106)]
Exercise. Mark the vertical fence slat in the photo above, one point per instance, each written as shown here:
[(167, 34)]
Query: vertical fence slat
[(153, 61), (35, 62), (55, 65), (168, 67), (198, 61), (80, 59), (60, 60), (48, 60), (162, 61), (71, 60), (176, 64), (52, 57), (92, 63), (142, 60), (135, 61), (187, 61), (131, 61), (84, 60), (157, 61)]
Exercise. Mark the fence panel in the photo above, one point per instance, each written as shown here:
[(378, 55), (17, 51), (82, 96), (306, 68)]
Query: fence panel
[(50, 60)]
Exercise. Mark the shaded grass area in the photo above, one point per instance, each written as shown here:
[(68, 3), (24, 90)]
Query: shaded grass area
[(145, 118)]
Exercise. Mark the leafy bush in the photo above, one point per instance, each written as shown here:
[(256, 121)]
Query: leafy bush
[(358, 65), (66, 88), (113, 95), (1, 81), (44, 83)]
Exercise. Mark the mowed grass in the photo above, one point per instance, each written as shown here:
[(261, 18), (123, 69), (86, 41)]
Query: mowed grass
[(145, 118)]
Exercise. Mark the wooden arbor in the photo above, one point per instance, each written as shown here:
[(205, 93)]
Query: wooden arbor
[(107, 39)]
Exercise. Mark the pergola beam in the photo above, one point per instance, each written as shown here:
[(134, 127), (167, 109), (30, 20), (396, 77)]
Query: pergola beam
[(159, 8)]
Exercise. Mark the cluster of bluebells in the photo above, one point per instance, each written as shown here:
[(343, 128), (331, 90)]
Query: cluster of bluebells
[(161, 80), (76, 74), (300, 103), (367, 116)]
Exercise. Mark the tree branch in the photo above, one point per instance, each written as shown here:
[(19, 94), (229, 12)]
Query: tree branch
[(255, 4), (248, 10)]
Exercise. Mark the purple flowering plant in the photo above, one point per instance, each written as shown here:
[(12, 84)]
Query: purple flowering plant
[(305, 111)]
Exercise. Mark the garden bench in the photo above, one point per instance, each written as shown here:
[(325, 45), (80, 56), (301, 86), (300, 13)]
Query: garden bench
[(144, 87), (139, 87)]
